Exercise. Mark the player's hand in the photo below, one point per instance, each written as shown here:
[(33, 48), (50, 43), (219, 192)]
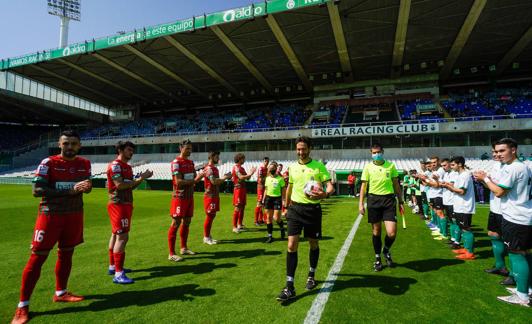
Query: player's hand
[(317, 195), (200, 174), (479, 175), (401, 207), (435, 177), (82, 186), (146, 174), (253, 169)]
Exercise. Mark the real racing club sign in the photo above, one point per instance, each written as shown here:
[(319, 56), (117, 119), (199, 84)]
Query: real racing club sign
[(375, 130)]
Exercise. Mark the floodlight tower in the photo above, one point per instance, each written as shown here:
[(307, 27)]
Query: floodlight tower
[(66, 10)]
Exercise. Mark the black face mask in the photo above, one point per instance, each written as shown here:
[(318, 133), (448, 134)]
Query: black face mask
[(272, 172)]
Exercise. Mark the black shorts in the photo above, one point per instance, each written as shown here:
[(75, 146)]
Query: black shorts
[(304, 217), (436, 203), (516, 236), (381, 208), (424, 197), (495, 223), (464, 220), (449, 211), (274, 203)]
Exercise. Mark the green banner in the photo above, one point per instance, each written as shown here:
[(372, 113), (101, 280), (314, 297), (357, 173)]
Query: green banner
[(198, 22)]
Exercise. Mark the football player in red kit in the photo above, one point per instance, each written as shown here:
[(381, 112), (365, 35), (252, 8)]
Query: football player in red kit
[(184, 178), (239, 177), (261, 178), (60, 181), (211, 199), (120, 184)]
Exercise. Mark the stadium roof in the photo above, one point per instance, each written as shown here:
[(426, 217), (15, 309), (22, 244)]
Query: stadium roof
[(284, 48)]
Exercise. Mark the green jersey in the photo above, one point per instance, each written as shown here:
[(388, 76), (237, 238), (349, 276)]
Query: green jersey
[(379, 177), (300, 174), (274, 186)]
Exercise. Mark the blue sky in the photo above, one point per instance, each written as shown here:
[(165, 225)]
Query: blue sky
[(27, 27)]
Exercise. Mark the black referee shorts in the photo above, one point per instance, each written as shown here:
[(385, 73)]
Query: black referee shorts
[(273, 203), (306, 218), (381, 208)]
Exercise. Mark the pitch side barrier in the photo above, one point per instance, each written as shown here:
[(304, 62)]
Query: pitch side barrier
[(259, 9), (426, 126)]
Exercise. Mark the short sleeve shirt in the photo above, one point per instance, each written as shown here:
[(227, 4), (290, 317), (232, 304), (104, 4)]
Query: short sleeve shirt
[(448, 195), (211, 174), (379, 177), (300, 174), (185, 168), (274, 186), (464, 204), (436, 192), (235, 172), (261, 176), (60, 174), (118, 169), (495, 202), (516, 205)]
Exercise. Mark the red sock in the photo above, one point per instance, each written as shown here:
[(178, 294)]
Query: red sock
[(241, 217), (172, 235), (111, 257), (183, 233), (120, 257), (235, 218), (62, 269), (257, 215), (30, 275), (207, 225)]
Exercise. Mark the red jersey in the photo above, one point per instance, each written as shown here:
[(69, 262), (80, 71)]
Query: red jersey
[(61, 174), (351, 179), (261, 176), (118, 169), (211, 174), (235, 172), (185, 168)]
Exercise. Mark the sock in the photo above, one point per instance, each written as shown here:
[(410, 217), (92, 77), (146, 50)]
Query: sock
[(172, 235), (257, 214), (281, 224), (207, 225), (443, 226), (529, 259), (111, 258), (241, 217), (469, 240), (62, 269), (183, 234), (457, 233), (521, 271), (313, 256), (377, 244), (388, 242), (60, 292), (120, 257), (452, 229), (497, 245), (31, 275), (291, 265), (433, 217), (270, 229), (425, 209), (235, 218)]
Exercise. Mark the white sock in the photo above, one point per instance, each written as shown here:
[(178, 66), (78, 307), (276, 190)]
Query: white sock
[(111, 267), (290, 279), (23, 303), (118, 274), (60, 292)]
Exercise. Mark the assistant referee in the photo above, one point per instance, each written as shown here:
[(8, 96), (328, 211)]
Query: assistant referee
[(382, 178), (304, 212)]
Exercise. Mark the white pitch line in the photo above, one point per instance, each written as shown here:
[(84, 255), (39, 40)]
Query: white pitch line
[(315, 311)]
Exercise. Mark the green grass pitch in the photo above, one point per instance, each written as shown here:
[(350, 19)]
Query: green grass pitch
[(237, 281)]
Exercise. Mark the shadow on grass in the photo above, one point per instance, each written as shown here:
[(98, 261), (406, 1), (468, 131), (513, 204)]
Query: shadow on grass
[(429, 264), (178, 269), (243, 254), (388, 285), (123, 299)]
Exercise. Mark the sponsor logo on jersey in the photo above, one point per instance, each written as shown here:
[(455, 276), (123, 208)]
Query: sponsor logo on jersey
[(42, 169), (116, 168)]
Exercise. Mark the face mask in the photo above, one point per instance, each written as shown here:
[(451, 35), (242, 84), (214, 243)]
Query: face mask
[(272, 172), (377, 157)]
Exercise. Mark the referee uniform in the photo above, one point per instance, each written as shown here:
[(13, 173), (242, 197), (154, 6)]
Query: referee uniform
[(381, 206)]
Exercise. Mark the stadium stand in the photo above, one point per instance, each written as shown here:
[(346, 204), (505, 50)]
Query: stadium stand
[(330, 115), (15, 136)]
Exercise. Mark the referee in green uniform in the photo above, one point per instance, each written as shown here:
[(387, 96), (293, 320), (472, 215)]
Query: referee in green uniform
[(306, 181), (382, 178)]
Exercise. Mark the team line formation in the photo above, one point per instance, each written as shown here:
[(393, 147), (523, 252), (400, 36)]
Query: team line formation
[(442, 193)]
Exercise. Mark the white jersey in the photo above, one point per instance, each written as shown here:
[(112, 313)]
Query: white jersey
[(426, 188), (464, 204), (495, 202), (433, 191), (448, 195), (516, 205)]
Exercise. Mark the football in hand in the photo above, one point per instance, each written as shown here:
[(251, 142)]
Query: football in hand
[(312, 186)]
